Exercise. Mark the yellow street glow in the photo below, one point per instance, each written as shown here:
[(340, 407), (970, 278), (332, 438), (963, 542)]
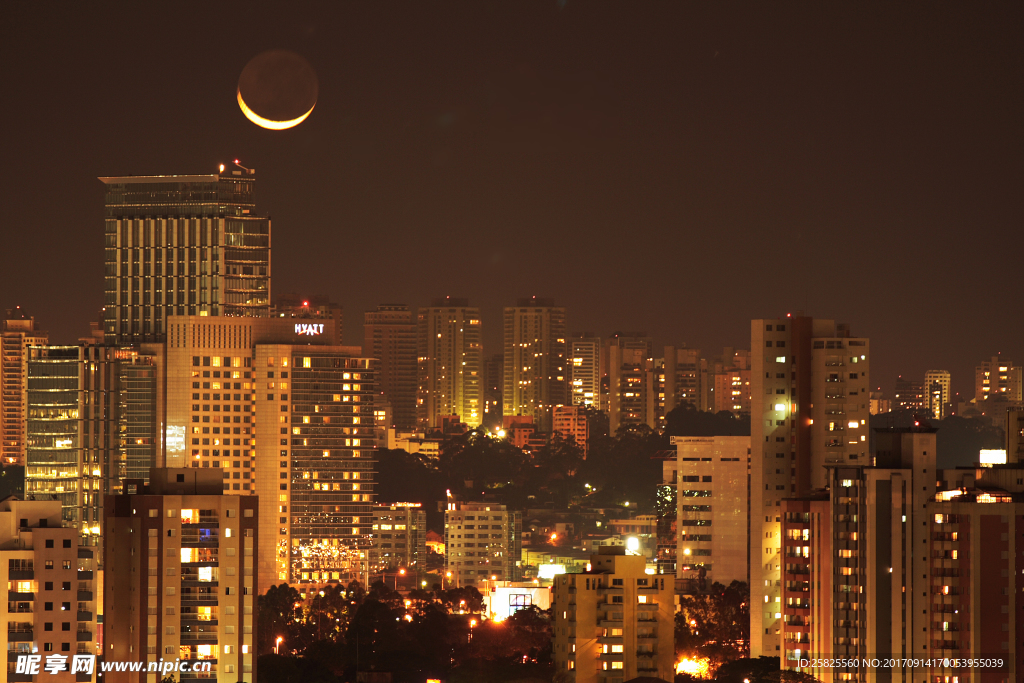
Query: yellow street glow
[(268, 123)]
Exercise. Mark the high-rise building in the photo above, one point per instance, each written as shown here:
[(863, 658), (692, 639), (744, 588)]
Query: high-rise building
[(571, 422), (18, 333), (685, 379), (879, 403), (712, 496), (314, 463), (450, 363), (482, 541), (316, 309), (182, 245), (614, 622), (998, 378), (910, 395), (631, 381), (399, 537), (730, 380), (897, 560), (585, 371), (1015, 435), (936, 385), (494, 384), (180, 580), (389, 335), (91, 421), (809, 411), (536, 360), (50, 608)]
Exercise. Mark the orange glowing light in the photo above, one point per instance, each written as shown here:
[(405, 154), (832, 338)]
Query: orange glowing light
[(698, 667), (268, 123)]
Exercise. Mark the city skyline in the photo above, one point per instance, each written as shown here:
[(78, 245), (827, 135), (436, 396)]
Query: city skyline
[(585, 146)]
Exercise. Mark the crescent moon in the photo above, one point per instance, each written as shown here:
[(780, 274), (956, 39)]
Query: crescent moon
[(269, 123)]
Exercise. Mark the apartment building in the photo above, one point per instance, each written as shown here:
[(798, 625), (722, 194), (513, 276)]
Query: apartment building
[(180, 579), (17, 334), (809, 412), (51, 605), (614, 622), (482, 541), (712, 508), (399, 536)]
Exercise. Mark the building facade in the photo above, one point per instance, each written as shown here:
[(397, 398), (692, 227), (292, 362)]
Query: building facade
[(19, 332), (51, 604), (399, 537), (809, 411), (314, 462), (571, 422), (998, 378), (182, 245), (389, 336), (910, 395), (712, 496), (449, 363), (482, 540), (585, 371), (536, 359), (180, 578), (937, 387), (614, 622)]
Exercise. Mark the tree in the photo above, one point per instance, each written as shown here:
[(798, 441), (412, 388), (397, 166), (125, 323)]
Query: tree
[(715, 625), (276, 616)]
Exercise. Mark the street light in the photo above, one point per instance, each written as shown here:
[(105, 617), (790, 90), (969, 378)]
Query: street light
[(319, 603), (277, 646)]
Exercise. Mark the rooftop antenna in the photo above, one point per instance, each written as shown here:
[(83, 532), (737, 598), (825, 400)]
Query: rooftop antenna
[(242, 167)]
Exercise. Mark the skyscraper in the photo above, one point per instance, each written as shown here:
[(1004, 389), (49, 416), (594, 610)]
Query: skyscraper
[(450, 363), (18, 333), (809, 412), (936, 385), (536, 356), (182, 245), (389, 335)]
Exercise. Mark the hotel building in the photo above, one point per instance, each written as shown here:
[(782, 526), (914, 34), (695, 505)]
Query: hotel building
[(614, 622), (449, 363), (180, 576), (809, 412)]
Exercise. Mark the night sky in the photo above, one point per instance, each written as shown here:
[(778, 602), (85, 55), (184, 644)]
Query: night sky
[(652, 166)]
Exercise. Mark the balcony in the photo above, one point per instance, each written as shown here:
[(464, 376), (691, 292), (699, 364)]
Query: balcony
[(85, 575), (85, 553), (84, 616), (21, 574), (84, 636), (85, 596), (15, 596), (20, 636)]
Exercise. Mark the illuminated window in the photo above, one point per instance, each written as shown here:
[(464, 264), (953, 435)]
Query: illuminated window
[(306, 362)]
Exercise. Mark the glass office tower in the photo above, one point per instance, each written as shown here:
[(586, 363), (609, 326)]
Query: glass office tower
[(182, 245)]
